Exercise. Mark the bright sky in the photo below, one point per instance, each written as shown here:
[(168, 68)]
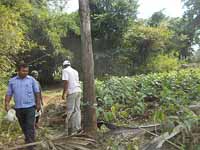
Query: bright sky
[(173, 8), (72, 5)]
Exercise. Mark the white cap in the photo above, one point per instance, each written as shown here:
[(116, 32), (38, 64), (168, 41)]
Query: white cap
[(66, 62)]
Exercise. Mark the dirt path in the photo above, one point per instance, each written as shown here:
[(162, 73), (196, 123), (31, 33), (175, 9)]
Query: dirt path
[(54, 108), (51, 126), (52, 95)]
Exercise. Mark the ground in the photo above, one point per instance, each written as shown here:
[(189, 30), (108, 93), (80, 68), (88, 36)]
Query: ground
[(52, 129), (51, 126)]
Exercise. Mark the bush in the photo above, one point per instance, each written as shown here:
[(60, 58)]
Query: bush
[(125, 97), (162, 63)]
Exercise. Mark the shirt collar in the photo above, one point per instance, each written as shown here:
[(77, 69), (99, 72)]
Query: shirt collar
[(24, 78)]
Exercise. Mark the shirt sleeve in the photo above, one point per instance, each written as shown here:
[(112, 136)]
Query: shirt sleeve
[(9, 90), (36, 87), (65, 75)]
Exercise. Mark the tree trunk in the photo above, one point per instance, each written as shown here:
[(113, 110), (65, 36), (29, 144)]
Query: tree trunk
[(89, 120)]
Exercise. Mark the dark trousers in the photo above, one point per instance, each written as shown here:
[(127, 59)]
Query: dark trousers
[(26, 118)]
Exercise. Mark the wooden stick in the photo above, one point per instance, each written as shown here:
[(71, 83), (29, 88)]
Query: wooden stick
[(26, 145), (178, 147)]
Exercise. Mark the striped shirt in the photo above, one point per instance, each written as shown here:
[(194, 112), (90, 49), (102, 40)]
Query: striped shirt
[(23, 90)]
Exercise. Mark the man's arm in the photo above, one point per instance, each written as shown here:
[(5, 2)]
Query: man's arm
[(8, 96), (38, 101), (65, 85), (37, 92), (41, 99), (7, 102)]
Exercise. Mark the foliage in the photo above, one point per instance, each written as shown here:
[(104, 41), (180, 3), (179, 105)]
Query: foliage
[(112, 19), (124, 97), (196, 57), (10, 131), (144, 42), (162, 63), (109, 21), (33, 33), (156, 19), (11, 38), (57, 5), (47, 31), (180, 40), (121, 142), (192, 20), (124, 44), (157, 97), (128, 51)]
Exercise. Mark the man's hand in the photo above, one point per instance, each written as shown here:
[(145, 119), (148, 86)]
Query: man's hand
[(7, 107), (63, 96), (38, 107), (64, 115), (42, 103), (7, 102)]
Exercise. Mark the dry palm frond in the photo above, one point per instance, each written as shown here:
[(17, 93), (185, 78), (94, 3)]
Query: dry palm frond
[(79, 142)]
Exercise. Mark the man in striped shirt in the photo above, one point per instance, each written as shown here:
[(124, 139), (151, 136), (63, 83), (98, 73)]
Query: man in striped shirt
[(26, 93)]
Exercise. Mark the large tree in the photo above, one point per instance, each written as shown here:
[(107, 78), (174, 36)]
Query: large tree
[(90, 121)]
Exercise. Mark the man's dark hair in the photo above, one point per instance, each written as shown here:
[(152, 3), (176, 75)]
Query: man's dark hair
[(65, 66), (22, 65)]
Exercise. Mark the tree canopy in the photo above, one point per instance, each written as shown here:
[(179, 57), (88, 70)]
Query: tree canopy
[(36, 32)]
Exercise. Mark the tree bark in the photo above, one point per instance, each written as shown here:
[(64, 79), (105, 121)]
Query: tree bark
[(89, 120)]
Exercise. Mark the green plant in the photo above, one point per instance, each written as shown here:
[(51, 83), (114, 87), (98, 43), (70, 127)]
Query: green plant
[(125, 97)]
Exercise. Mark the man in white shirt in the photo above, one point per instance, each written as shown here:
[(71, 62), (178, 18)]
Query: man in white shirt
[(71, 92)]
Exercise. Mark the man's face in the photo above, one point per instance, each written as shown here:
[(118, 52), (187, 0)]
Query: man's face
[(23, 72)]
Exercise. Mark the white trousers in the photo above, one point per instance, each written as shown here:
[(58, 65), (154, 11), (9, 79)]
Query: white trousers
[(73, 119)]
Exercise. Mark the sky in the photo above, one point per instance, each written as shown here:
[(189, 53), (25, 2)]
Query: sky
[(172, 8)]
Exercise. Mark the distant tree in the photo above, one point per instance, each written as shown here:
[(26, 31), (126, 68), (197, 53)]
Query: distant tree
[(157, 18), (110, 19), (143, 42), (191, 20), (180, 41)]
